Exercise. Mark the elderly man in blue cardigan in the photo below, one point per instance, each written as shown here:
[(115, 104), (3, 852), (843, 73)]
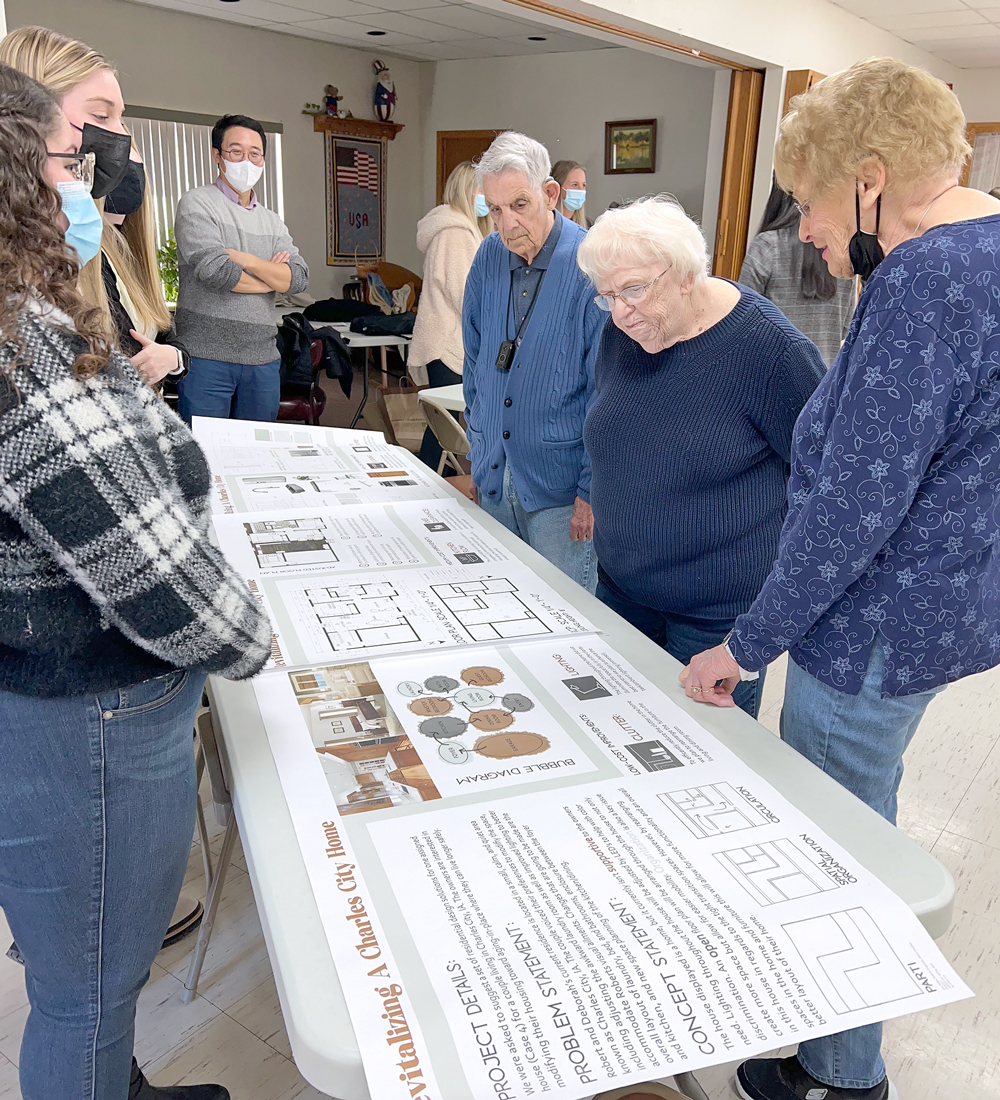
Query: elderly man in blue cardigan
[(531, 331)]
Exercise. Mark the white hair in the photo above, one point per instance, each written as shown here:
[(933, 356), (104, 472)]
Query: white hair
[(514, 152), (651, 230)]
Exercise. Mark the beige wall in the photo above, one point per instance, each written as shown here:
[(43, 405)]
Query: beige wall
[(189, 63), (564, 99)]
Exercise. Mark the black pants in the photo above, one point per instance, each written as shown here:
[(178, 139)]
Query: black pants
[(430, 450)]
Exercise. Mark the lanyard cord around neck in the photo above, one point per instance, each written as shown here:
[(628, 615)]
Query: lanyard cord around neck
[(531, 305)]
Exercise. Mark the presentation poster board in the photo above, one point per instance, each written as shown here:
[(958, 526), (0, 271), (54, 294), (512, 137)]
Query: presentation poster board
[(538, 875)]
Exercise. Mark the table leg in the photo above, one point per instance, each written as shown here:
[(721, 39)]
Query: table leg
[(385, 368), (364, 394), (212, 900)]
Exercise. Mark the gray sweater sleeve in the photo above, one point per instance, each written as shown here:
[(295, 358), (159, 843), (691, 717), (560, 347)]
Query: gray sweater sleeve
[(758, 264), (300, 270), (200, 244)]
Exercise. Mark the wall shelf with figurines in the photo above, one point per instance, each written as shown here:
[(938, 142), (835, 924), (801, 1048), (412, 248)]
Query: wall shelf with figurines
[(355, 127)]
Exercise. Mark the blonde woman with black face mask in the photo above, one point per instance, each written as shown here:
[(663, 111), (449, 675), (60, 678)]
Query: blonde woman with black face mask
[(124, 280)]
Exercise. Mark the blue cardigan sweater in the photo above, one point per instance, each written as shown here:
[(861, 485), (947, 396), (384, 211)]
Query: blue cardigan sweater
[(532, 415), (893, 524)]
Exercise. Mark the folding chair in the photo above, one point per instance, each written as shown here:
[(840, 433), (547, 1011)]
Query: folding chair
[(448, 432)]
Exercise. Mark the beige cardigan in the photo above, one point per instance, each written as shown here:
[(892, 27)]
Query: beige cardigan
[(449, 242)]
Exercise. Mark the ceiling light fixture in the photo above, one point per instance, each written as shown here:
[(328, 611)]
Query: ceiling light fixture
[(375, 34), (537, 38)]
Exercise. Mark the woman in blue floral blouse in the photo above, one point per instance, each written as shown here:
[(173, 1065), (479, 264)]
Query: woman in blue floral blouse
[(886, 585)]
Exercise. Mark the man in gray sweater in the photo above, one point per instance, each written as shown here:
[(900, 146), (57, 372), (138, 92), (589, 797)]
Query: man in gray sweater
[(233, 256)]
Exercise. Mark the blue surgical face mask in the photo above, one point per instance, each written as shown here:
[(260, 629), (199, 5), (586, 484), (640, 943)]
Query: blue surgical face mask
[(482, 210), (85, 223), (574, 199)]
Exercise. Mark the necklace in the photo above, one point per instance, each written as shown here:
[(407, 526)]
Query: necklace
[(916, 231)]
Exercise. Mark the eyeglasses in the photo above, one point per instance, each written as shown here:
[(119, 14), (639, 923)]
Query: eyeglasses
[(80, 166), (235, 154), (631, 294), (804, 208)]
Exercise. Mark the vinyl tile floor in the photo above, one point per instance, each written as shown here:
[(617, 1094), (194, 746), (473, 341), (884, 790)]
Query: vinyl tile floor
[(233, 1031)]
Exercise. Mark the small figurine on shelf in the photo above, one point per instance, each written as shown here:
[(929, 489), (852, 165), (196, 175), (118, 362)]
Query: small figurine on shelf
[(331, 99), (385, 92)]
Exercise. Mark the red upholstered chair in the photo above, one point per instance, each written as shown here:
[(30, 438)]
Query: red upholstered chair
[(305, 403)]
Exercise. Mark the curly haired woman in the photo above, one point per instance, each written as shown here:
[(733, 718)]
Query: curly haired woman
[(113, 607)]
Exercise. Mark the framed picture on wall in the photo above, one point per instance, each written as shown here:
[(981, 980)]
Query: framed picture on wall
[(355, 200), (630, 146)]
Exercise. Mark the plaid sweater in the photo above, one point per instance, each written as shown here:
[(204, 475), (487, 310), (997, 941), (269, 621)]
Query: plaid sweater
[(107, 577)]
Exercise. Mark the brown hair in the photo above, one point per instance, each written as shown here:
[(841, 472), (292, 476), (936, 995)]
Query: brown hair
[(35, 261), (560, 170), (61, 63)]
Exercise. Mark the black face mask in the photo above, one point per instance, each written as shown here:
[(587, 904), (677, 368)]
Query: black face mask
[(865, 251), (111, 152), (126, 198)]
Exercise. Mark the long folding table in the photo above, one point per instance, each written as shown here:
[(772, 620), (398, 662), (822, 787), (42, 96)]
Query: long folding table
[(315, 1014)]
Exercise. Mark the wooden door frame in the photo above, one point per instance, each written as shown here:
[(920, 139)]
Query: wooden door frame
[(442, 136), (746, 97)]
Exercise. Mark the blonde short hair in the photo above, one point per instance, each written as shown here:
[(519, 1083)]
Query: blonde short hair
[(650, 230), (883, 108)]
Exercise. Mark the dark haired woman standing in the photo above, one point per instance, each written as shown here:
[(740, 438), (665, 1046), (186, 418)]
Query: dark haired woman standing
[(794, 277), (113, 607)]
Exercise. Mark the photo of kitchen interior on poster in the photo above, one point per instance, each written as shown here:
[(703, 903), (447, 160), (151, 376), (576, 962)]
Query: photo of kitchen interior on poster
[(403, 731)]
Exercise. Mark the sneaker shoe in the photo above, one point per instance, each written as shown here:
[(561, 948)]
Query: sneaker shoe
[(186, 918), (785, 1079), (140, 1089)]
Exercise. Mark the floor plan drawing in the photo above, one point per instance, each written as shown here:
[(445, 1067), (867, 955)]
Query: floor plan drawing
[(284, 542), (775, 871), (361, 616), (713, 809), (851, 961), (336, 611), (490, 609)]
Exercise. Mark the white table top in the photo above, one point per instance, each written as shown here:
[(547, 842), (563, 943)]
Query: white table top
[(319, 1027), (448, 397), (359, 340)]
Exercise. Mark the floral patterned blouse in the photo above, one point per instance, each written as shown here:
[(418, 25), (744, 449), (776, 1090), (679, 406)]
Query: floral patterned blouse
[(892, 526)]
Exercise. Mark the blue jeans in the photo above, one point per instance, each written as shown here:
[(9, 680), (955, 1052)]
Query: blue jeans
[(859, 740), (547, 531), (235, 391), (681, 638), (97, 798)]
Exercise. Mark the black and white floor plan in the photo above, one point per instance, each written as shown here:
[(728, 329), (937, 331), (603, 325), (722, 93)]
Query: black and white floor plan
[(775, 871)]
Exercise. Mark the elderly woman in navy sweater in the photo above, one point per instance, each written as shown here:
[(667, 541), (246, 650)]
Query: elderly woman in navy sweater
[(886, 585), (699, 382)]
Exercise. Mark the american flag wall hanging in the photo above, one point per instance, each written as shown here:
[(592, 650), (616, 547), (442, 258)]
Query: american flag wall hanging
[(355, 199)]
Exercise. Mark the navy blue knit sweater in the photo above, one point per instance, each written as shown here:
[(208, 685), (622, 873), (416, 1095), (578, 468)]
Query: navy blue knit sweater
[(690, 451)]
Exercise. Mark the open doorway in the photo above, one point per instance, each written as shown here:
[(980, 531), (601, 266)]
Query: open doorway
[(708, 111)]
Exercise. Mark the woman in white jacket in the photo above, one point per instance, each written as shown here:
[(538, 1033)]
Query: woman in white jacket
[(448, 236)]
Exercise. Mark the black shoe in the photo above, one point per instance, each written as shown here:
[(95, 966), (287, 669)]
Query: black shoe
[(140, 1089), (187, 916), (785, 1079)]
